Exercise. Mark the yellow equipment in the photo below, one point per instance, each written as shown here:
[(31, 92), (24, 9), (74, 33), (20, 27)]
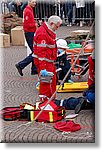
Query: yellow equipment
[(72, 87)]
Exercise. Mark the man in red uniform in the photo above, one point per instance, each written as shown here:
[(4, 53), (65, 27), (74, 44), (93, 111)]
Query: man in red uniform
[(29, 27), (91, 77), (45, 53)]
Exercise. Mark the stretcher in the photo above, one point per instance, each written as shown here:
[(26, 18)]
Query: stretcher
[(71, 87), (87, 50), (80, 67)]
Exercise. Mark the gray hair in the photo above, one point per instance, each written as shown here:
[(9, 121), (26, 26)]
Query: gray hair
[(54, 19), (29, 1)]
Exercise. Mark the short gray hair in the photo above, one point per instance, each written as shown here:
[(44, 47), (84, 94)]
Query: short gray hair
[(29, 0), (55, 19)]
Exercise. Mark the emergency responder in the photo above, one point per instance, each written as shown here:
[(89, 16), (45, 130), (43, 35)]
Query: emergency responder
[(45, 53), (89, 93), (29, 27), (91, 61)]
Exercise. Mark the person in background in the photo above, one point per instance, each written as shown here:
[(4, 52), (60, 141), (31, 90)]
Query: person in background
[(22, 7), (45, 53), (69, 7), (10, 5), (14, 6), (29, 27), (80, 12), (18, 4)]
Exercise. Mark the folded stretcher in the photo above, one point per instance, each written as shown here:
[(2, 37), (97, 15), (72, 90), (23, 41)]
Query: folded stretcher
[(72, 87)]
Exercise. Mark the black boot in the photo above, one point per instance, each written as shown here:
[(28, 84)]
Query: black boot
[(19, 69), (81, 105)]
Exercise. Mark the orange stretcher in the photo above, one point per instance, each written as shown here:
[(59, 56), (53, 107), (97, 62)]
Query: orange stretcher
[(87, 49)]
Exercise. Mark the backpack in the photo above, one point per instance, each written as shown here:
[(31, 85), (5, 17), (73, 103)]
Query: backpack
[(12, 113)]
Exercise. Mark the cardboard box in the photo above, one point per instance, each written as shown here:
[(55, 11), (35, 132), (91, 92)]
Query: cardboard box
[(4, 40), (17, 36)]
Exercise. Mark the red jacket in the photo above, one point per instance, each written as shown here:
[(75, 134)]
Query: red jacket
[(28, 20), (91, 78), (45, 49)]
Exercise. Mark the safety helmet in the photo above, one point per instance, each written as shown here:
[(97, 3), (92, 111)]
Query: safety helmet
[(61, 43)]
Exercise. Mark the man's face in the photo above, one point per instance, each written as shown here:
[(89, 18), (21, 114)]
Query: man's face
[(55, 26), (32, 3)]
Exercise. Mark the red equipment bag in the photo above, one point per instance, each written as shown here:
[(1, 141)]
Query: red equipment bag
[(12, 113), (46, 115), (22, 113)]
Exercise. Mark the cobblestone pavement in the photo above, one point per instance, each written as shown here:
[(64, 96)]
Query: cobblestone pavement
[(16, 90)]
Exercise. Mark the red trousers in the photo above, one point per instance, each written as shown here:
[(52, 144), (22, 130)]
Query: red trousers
[(47, 89)]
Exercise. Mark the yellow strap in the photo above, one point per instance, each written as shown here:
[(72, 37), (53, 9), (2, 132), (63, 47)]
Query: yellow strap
[(50, 117), (31, 115), (62, 112)]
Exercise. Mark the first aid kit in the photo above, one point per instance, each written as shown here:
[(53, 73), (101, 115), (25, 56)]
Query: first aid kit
[(46, 115), (28, 112)]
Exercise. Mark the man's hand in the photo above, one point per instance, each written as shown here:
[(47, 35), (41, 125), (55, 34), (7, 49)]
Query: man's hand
[(44, 73)]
